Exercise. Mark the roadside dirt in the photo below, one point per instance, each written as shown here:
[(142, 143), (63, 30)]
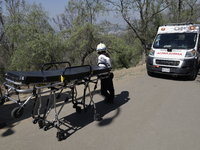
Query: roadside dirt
[(124, 75)]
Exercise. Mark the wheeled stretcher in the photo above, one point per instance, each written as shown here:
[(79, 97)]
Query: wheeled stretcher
[(38, 83)]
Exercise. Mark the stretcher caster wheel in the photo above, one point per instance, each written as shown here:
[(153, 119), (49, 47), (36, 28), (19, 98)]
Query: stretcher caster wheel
[(97, 117), (2, 100), (46, 127), (34, 121), (75, 105), (78, 109), (17, 112), (41, 123), (60, 136)]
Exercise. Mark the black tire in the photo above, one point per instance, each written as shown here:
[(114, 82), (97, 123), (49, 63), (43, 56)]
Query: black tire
[(97, 117), (17, 112), (2, 100), (34, 121), (41, 123), (60, 136), (193, 75), (45, 128), (78, 109), (150, 73)]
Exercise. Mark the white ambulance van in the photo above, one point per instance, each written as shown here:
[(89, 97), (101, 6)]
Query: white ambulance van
[(175, 51)]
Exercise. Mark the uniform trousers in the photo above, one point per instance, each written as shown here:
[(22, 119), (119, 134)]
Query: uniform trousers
[(107, 88)]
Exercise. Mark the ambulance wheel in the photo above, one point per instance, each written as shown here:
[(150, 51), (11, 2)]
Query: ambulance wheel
[(193, 74), (17, 112), (2, 100), (78, 109), (150, 73), (60, 136)]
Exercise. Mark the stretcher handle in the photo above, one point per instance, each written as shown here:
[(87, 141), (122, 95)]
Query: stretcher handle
[(53, 63), (90, 73)]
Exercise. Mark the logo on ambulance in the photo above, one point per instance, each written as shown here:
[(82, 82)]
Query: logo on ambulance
[(169, 53)]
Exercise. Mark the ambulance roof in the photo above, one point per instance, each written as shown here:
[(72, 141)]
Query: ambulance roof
[(179, 28)]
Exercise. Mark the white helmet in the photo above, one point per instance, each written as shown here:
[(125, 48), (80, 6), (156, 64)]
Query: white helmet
[(101, 47)]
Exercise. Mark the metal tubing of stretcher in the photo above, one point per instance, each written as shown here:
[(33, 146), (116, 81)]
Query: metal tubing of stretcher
[(17, 90), (12, 99), (39, 105), (27, 90), (16, 83), (53, 63), (56, 114), (49, 108), (27, 100), (40, 87), (91, 95), (46, 113)]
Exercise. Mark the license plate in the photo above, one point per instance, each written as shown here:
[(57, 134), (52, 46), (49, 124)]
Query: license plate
[(165, 69)]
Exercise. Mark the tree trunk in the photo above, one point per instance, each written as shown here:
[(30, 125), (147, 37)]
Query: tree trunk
[(144, 57)]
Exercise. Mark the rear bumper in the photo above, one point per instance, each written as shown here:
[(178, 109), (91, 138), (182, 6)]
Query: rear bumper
[(186, 68)]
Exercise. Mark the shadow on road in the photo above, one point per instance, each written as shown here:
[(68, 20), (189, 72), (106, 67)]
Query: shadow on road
[(69, 124), (6, 120), (75, 121)]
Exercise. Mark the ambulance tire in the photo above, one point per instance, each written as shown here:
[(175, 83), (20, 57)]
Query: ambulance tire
[(150, 73), (193, 75)]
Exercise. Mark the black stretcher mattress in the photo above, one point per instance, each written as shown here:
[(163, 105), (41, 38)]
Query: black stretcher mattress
[(54, 75)]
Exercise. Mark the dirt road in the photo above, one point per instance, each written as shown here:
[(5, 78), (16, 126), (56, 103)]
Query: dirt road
[(149, 113)]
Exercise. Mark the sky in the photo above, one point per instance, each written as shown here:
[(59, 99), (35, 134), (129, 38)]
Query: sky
[(57, 7), (54, 7)]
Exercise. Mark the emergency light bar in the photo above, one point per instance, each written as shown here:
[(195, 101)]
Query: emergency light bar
[(179, 28)]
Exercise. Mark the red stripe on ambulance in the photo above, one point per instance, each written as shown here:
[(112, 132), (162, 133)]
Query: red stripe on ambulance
[(166, 53)]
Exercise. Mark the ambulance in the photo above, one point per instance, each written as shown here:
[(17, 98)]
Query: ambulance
[(175, 51)]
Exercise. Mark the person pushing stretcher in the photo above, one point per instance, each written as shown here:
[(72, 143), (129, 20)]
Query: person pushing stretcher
[(107, 88)]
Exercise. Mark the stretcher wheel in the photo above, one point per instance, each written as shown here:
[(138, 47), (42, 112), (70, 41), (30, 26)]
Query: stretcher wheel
[(60, 136), (75, 105), (46, 127), (78, 109), (17, 112), (97, 117), (2, 100), (41, 123), (34, 121)]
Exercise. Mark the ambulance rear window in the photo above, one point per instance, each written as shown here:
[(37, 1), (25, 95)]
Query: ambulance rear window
[(175, 40)]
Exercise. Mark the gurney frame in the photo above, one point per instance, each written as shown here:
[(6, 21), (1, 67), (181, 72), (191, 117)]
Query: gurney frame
[(36, 93)]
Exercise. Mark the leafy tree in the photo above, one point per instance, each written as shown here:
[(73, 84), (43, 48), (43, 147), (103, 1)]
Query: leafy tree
[(3, 46), (80, 13), (78, 27), (141, 25), (183, 11), (123, 54), (82, 43), (34, 40)]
